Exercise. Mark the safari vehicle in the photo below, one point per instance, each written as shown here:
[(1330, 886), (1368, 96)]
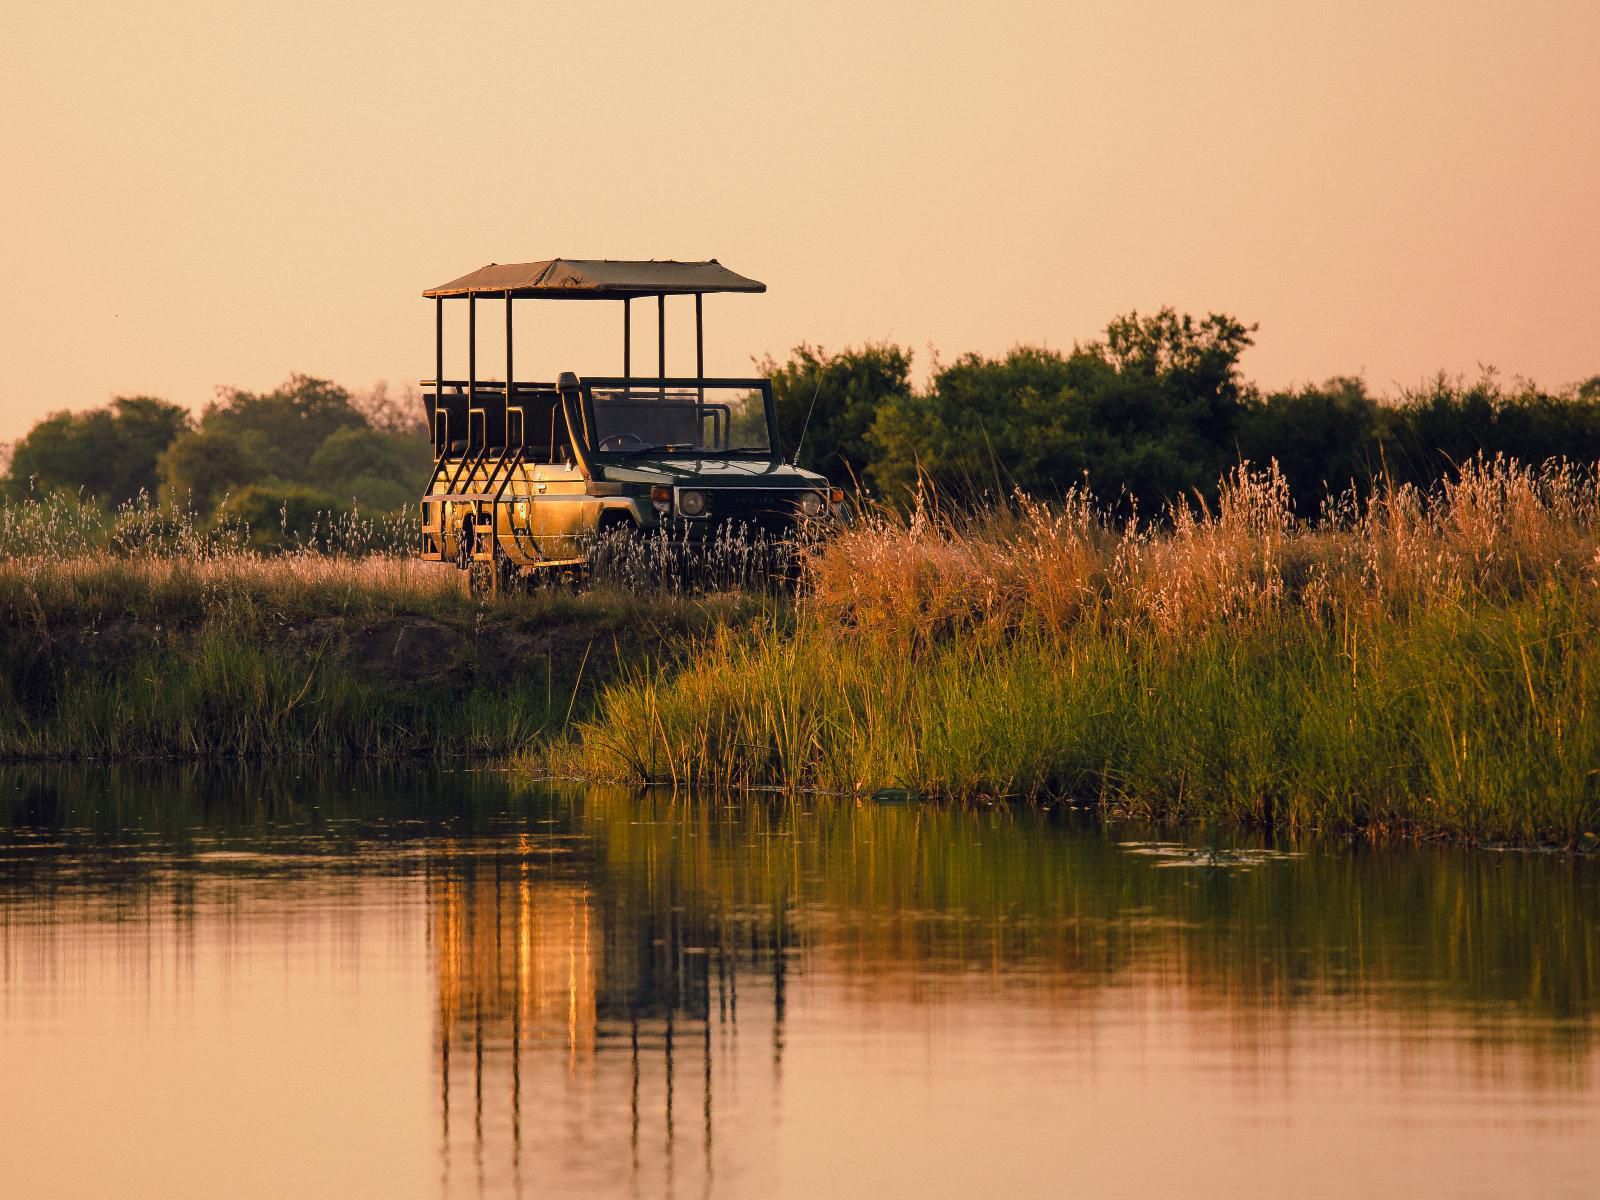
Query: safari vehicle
[(530, 476)]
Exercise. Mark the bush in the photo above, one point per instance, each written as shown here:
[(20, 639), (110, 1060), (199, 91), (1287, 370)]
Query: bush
[(376, 471), (108, 453), (1147, 415), (826, 404), (284, 516)]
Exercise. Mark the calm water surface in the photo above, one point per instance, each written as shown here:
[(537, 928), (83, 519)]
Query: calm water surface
[(451, 985)]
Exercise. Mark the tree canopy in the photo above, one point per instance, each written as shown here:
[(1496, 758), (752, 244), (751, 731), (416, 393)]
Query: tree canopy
[(826, 404), (308, 433), (1149, 413), (109, 453), (306, 439), (1154, 410)]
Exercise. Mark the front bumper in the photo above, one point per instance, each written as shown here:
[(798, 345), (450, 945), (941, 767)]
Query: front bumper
[(728, 511)]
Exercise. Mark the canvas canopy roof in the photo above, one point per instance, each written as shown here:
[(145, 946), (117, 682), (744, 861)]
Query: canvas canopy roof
[(597, 279)]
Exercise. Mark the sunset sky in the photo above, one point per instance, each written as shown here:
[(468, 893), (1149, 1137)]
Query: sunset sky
[(212, 193)]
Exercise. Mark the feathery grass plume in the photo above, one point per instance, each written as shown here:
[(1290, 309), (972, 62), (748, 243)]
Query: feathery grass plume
[(1419, 661), (148, 633)]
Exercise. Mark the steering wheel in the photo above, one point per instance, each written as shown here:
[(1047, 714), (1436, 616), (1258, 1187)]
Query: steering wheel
[(620, 440)]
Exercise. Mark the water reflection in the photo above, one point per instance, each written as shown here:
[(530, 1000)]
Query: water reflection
[(582, 1015), (636, 994)]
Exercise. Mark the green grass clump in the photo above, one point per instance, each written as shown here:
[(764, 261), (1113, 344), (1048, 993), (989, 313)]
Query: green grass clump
[(1425, 663), (1428, 664), (242, 655), (1477, 722)]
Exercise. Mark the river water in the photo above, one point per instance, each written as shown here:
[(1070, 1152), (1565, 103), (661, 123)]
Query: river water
[(419, 984)]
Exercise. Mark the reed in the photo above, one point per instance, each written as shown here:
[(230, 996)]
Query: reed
[(1419, 662), (1423, 662), (186, 642)]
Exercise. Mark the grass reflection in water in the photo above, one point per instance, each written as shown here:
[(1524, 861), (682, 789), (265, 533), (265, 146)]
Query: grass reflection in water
[(599, 958)]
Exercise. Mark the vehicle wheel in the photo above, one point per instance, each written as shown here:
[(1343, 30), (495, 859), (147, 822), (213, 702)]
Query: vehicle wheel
[(613, 552), (787, 568), (465, 540), (485, 580), (509, 579)]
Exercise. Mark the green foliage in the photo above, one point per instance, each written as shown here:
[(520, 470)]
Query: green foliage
[(1155, 410), (1150, 413), (841, 394), (108, 453), (282, 429), (1333, 437), (1325, 439), (372, 469), (306, 437), (281, 516), (200, 468), (984, 425), (1435, 429)]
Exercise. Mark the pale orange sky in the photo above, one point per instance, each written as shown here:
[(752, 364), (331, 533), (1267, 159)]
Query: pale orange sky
[(215, 193)]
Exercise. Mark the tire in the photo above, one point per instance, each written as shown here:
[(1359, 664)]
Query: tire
[(486, 580), (611, 550)]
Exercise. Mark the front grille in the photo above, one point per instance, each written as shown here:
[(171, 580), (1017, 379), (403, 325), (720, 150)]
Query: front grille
[(761, 505)]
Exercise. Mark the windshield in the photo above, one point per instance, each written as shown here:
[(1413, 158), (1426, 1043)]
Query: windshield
[(714, 420)]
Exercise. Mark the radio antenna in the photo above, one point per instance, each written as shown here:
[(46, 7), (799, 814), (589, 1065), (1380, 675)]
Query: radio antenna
[(794, 459)]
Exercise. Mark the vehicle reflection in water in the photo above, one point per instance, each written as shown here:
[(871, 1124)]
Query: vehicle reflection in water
[(631, 994), (578, 1025)]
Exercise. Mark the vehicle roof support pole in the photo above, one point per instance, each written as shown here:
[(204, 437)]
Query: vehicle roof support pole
[(627, 337), (700, 347), (472, 355), (438, 347), (509, 375), (661, 335)]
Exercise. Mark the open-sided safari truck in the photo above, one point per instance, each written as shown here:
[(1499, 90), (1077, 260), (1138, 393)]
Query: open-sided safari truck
[(529, 476)]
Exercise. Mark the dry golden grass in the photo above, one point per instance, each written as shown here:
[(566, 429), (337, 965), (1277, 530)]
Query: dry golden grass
[(1414, 661), (1497, 531), (1423, 663), (406, 579)]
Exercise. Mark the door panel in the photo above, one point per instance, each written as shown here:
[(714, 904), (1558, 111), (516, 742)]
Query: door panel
[(560, 510)]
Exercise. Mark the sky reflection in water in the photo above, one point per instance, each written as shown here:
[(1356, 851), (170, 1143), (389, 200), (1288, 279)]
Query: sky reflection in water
[(413, 984)]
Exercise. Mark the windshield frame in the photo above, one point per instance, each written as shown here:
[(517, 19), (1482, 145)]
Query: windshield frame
[(653, 383)]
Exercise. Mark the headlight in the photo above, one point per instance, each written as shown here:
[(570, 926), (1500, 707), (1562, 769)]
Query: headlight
[(691, 503), (812, 504)]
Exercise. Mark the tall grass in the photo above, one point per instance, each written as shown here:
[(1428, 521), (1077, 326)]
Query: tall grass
[(149, 634), (1421, 661), (1416, 661), (54, 525)]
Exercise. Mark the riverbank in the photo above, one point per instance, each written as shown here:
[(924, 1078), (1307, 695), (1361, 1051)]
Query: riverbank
[(1477, 724), (1425, 665), (240, 655), (1416, 665)]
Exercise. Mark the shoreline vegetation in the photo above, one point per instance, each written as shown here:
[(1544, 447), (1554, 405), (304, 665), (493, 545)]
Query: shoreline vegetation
[(1411, 663)]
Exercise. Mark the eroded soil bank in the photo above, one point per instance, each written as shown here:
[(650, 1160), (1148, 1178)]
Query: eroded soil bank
[(127, 660)]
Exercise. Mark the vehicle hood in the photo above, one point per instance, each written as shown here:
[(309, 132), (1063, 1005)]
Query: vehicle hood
[(682, 469)]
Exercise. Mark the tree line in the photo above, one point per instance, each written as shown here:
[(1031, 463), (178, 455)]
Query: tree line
[(277, 461), (1155, 409)]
